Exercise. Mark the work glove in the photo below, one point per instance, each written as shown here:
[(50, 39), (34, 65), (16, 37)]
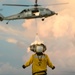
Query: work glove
[(53, 67), (23, 66)]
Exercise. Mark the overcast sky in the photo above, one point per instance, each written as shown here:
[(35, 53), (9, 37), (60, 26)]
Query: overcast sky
[(57, 32)]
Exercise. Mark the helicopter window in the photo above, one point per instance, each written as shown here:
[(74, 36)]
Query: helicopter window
[(23, 11), (34, 11), (47, 9)]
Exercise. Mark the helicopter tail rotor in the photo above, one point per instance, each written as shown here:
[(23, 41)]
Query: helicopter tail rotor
[(1, 17)]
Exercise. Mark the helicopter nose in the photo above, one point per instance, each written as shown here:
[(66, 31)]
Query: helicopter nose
[(52, 12)]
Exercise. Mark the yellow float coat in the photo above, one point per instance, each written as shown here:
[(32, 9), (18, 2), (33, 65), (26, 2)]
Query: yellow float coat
[(39, 63)]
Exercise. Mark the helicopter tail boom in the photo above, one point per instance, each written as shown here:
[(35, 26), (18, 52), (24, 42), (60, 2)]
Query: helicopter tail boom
[(1, 17)]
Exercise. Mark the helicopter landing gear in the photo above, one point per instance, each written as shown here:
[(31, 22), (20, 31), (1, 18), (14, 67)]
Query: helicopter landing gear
[(43, 19), (7, 22), (56, 13)]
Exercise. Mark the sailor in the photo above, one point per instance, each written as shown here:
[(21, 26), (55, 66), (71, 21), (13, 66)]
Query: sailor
[(39, 60)]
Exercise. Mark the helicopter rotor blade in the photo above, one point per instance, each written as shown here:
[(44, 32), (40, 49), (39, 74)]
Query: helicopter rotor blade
[(19, 5), (56, 4), (35, 5)]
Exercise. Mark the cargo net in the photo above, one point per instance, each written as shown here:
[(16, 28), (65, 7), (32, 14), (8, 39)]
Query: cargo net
[(37, 44)]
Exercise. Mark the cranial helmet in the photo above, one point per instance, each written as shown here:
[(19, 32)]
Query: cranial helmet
[(38, 48)]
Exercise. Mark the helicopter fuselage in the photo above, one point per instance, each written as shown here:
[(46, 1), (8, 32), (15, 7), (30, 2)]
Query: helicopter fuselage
[(31, 14)]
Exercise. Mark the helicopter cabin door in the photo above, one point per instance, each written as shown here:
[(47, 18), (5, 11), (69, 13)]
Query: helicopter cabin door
[(35, 12)]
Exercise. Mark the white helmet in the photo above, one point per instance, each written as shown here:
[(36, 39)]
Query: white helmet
[(38, 48)]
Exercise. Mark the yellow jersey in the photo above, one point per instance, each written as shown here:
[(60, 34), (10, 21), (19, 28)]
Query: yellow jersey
[(39, 63)]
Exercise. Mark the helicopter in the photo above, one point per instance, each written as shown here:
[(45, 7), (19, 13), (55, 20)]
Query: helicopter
[(30, 13)]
